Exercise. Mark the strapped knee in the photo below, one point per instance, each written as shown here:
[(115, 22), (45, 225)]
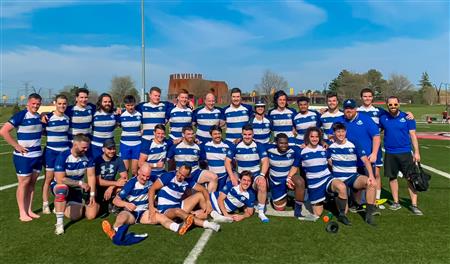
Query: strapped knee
[(61, 192), (280, 207)]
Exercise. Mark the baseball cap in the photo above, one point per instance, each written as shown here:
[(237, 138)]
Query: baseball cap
[(109, 143), (260, 102), (349, 103)]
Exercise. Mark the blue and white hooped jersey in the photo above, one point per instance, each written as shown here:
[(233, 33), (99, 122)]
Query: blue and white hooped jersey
[(281, 163), (185, 153), (179, 118), (152, 115), (303, 122), (314, 162), (57, 128), (215, 155), (103, 127), (327, 119), (74, 167), (344, 158), (80, 119), (248, 157), (261, 129), (29, 132), (173, 190), (204, 120), (282, 121), (373, 112), (235, 119), (157, 152), (131, 128), (136, 193), (235, 199)]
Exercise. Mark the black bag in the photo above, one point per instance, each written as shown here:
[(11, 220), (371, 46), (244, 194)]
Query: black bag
[(418, 178)]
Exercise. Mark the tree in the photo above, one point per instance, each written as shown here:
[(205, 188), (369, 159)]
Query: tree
[(398, 85), (426, 89), (271, 82), (70, 92), (438, 92), (376, 82), (122, 86)]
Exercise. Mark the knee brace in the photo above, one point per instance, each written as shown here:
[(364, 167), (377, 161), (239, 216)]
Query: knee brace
[(280, 207), (61, 192)]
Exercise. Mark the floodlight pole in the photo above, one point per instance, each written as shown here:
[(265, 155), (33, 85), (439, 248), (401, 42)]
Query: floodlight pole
[(143, 52)]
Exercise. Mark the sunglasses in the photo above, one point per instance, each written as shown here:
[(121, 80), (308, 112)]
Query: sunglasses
[(393, 104)]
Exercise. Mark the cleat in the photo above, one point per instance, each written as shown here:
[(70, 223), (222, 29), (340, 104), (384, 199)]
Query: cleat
[(263, 218), (107, 228), (215, 227), (218, 218), (186, 224), (343, 219), (46, 209), (395, 206), (357, 208), (370, 220), (59, 229), (308, 217), (416, 210)]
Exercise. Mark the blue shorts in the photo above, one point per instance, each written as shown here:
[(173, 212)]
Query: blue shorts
[(319, 193), (137, 216), (278, 189), (351, 180), (26, 166), (50, 156), (130, 152), (145, 144), (379, 162), (163, 208), (75, 194), (96, 151), (221, 182), (195, 175)]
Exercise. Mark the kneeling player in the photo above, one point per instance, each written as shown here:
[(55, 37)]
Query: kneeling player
[(68, 186), (319, 179), (172, 187), (134, 199), (231, 198), (343, 156)]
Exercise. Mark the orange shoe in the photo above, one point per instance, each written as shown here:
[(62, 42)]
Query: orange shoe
[(187, 223), (107, 228)]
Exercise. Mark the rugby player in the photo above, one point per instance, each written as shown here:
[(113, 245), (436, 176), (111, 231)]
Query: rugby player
[(236, 115), (103, 124), (180, 115), (206, 116)]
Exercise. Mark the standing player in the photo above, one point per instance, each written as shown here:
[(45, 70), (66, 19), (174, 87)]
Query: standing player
[(107, 166), (261, 124), (207, 116), (130, 139), (81, 114), (104, 123), (188, 152), (156, 153), (252, 156), (230, 199), (27, 156), (180, 115), (282, 117), (236, 116), (330, 116), (319, 179), (399, 135), (343, 156), (57, 129), (214, 153), (304, 119), (68, 187)]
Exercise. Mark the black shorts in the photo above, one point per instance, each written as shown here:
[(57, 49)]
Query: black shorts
[(393, 163)]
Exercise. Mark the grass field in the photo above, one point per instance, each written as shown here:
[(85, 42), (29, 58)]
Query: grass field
[(399, 237)]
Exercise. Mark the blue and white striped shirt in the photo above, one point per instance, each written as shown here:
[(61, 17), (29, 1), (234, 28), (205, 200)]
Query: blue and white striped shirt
[(157, 152), (172, 191), (248, 157), (136, 193), (179, 118), (131, 128), (236, 118), (280, 163), (344, 158), (80, 119), (215, 155), (57, 128), (261, 129), (235, 199), (74, 167), (314, 162), (303, 122), (204, 120), (373, 112), (185, 153), (282, 121), (152, 115), (327, 119), (103, 127), (29, 131)]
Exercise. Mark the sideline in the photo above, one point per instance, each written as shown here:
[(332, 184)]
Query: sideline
[(4, 187), (198, 248)]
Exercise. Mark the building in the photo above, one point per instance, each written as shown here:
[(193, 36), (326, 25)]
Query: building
[(197, 87)]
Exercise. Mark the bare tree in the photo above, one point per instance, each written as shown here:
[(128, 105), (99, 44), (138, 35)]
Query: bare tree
[(122, 86), (200, 87), (271, 82), (398, 85)]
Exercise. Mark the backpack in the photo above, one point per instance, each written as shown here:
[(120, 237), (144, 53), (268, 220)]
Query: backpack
[(418, 178)]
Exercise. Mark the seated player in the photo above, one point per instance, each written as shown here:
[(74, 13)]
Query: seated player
[(187, 151), (155, 152), (319, 179), (107, 166), (283, 168), (134, 199), (230, 198), (214, 154), (68, 186), (172, 187), (343, 155)]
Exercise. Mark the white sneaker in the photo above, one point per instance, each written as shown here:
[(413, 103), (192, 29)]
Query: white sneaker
[(263, 217), (213, 226), (46, 209), (59, 230), (218, 218)]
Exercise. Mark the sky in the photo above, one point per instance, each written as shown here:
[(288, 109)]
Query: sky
[(50, 44)]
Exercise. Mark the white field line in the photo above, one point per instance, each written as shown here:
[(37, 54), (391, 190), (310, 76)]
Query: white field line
[(4, 187), (198, 248), (442, 173), (4, 153)]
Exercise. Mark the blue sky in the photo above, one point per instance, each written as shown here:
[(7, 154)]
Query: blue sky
[(56, 43)]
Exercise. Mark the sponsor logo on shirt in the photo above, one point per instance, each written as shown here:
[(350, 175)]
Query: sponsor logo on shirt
[(359, 123), (403, 120)]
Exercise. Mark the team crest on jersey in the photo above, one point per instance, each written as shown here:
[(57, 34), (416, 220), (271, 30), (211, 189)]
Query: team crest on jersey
[(374, 113), (242, 198), (351, 150), (224, 150), (289, 115), (84, 163), (188, 113), (322, 153), (313, 117), (359, 122), (195, 151), (229, 152), (89, 111), (254, 149), (216, 115), (244, 111), (267, 125), (112, 116), (160, 108), (403, 120), (289, 155), (138, 117)]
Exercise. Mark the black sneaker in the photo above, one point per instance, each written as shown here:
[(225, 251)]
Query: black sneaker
[(370, 220), (343, 219), (356, 208)]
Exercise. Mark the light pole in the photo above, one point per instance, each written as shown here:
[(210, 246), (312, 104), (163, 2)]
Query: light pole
[(143, 52)]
